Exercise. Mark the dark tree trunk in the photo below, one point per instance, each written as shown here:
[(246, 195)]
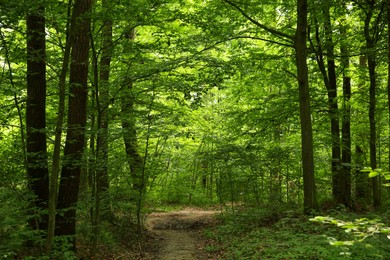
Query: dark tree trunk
[(330, 80), (337, 178), (346, 121), (77, 106), (371, 115), (370, 44), (103, 102), (37, 166), (130, 138), (101, 185), (130, 133), (135, 160), (305, 114), (388, 72), (55, 169)]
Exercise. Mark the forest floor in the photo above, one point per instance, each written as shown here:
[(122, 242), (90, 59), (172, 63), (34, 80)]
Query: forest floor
[(178, 234)]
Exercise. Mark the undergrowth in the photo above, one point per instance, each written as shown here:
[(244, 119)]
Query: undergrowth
[(276, 232)]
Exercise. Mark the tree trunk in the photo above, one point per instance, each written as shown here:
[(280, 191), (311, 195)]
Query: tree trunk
[(130, 133), (37, 165), (77, 107), (330, 80), (101, 184), (130, 140), (371, 115), (337, 178), (55, 173), (370, 44), (102, 103), (346, 121), (388, 72), (304, 102)]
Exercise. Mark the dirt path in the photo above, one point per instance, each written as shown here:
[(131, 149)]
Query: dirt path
[(178, 232)]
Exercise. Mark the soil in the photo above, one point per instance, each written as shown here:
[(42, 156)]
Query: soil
[(178, 234)]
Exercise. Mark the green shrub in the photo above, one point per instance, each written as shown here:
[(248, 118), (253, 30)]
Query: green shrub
[(280, 233), (14, 216)]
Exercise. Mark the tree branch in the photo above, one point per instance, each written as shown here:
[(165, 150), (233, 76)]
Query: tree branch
[(273, 31)]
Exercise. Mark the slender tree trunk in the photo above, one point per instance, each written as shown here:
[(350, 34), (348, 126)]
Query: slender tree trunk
[(330, 81), (130, 133), (370, 44), (388, 72), (305, 114), (53, 187), (346, 120), (15, 96), (338, 180), (37, 166), (130, 137), (102, 102), (75, 138), (131, 145), (373, 160)]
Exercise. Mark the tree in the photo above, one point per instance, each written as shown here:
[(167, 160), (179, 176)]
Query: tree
[(134, 159), (299, 44), (346, 117), (56, 163), (37, 166), (388, 73), (77, 107), (371, 35), (102, 99), (328, 72), (304, 101), (101, 73)]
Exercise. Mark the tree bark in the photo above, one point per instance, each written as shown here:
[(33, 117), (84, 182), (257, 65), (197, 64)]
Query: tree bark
[(371, 60), (346, 121), (37, 165), (55, 173), (310, 202), (328, 72), (337, 178), (130, 138), (101, 184), (102, 103), (77, 107), (130, 132), (388, 72)]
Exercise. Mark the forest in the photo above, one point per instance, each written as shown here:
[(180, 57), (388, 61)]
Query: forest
[(251, 129)]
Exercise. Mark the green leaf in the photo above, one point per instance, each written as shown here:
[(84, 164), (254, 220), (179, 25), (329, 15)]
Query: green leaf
[(341, 243), (373, 174), (350, 226), (385, 230), (366, 169)]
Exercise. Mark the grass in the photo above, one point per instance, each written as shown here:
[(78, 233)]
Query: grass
[(280, 233)]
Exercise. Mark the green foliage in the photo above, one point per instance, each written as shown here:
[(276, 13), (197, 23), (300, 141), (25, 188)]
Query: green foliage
[(62, 248), (279, 233), (377, 172), (216, 119), (14, 216), (364, 231)]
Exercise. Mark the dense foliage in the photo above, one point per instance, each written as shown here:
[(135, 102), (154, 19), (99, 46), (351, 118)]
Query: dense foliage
[(111, 109)]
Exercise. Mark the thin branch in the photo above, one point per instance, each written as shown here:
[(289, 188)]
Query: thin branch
[(273, 31), (246, 37), (16, 99)]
